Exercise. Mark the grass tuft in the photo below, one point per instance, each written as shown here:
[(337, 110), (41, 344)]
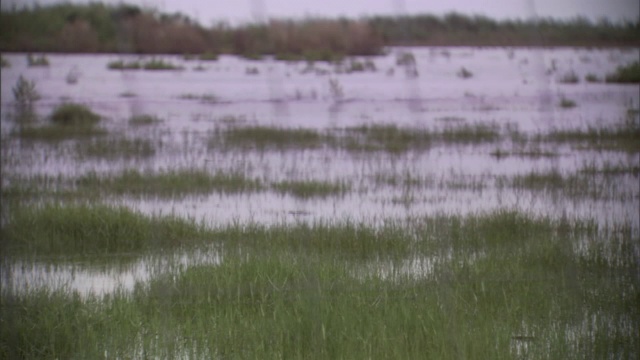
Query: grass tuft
[(628, 74)]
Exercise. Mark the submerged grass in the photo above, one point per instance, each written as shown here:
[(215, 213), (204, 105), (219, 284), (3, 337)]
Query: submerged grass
[(621, 138), (116, 148), (68, 121), (311, 188), (264, 138), (501, 285), (170, 183)]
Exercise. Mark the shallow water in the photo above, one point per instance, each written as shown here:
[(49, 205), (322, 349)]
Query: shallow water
[(510, 88)]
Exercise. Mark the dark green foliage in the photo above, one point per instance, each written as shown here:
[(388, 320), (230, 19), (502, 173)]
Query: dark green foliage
[(74, 115), (629, 74)]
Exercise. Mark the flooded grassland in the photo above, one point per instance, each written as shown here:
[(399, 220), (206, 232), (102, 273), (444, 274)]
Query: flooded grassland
[(447, 202)]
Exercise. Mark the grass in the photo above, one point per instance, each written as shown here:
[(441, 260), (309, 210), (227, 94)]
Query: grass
[(153, 64), (71, 114), (322, 291), (621, 138), (159, 64), (144, 120), (208, 56), (166, 184), (116, 148), (569, 78), (267, 138), (122, 65), (204, 98), (566, 103), (61, 230), (628, 74), (25, 95), (592, 78), (311, 188)]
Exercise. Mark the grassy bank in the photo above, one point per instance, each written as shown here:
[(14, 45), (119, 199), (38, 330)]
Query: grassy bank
[(130, 29), (499, 285)]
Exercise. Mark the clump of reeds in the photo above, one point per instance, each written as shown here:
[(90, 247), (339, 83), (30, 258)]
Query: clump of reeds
[(628, 74)]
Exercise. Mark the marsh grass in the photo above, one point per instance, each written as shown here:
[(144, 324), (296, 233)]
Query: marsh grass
[(116, 148), (268, 138), (71, 114), (625, 138), (569, 78), (566, 103), (167, 184), (68, 121), (159, 64), (144, 120), (309, 291), (122, 65), (204, 98), (311, 188), (628, 74), (25, 96), (56, 229)]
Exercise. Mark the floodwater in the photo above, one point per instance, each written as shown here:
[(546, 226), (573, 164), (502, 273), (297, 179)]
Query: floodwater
[(510, 88)]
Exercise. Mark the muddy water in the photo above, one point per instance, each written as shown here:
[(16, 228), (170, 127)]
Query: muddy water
[(510, 89)]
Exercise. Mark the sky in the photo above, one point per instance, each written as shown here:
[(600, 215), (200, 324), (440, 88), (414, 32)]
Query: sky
[(208, 12)]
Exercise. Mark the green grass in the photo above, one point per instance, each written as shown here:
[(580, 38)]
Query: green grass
[(70, 114), (166, 184), (116, 148), (61, 230), (311, 188), (569, 78), (144, 120), (159, 64), (267, 138), (327, 291), (625, 138), (628, 74), (567, 103), (122, 65)]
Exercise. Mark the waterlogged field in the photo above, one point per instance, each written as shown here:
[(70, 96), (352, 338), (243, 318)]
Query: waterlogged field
[(431, 202)]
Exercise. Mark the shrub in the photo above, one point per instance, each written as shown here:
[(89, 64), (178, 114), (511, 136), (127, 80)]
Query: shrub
[(74, 115), (567, 103), (25, 95)]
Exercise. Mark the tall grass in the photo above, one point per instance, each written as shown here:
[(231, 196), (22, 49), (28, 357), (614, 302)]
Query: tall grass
[(502, 285)]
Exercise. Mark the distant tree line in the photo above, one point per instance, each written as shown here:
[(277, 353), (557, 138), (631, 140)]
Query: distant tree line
[(97, 27)]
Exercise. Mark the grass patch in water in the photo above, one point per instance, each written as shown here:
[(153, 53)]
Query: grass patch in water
[(311, 188), (625, 138), (498, 281), (116, 148), (67, 121), (268, 138), (628, 74), (144, 120), (169, 184), (60, 230)]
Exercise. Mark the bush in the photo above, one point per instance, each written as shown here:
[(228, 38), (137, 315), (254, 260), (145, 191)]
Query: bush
[(74, 115), (25, 95)]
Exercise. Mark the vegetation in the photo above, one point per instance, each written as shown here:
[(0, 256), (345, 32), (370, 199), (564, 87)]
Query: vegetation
[(143, 120), (566, 103), (118, 148), (25, 96), (4, 62), (152, 64), (97, 27), (166, 184), (629, 74), (499, 286), (70, 114), (569, 78), (309, 189), (464, 73)]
